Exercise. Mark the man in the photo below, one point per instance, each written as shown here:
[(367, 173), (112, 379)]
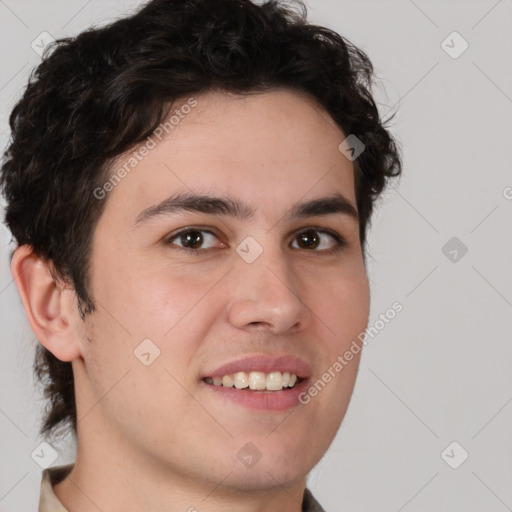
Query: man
[(189, 189)]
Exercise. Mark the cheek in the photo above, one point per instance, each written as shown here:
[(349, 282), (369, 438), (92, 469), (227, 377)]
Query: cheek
[(342, 304), (150, 300), (177, 309), (341, 309)]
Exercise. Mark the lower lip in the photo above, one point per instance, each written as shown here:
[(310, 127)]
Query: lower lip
[(263, 400)]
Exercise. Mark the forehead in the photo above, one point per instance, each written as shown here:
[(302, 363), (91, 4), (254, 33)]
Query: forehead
[(270, 149)]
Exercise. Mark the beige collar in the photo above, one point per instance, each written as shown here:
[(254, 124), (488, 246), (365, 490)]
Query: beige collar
[(48, 502)]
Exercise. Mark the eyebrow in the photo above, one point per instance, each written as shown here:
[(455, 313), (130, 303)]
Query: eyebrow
[(184, 201)]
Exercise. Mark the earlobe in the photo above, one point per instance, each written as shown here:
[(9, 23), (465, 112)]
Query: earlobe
[(46, 304)]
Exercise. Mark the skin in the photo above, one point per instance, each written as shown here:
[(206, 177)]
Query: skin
[(154, 437)]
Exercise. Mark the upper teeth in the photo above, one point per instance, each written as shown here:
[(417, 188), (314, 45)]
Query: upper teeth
[(273, 381)]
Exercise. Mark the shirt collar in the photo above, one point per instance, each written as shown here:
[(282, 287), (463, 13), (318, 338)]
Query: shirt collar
[(309, 504), (48, 501)]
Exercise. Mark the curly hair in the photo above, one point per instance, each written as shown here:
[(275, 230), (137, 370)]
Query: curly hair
[(96, 95)]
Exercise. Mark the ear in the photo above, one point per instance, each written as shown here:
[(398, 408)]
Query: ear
[(48, 304)]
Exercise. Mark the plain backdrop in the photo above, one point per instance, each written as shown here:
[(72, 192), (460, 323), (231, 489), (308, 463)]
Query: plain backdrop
[(430, 421)]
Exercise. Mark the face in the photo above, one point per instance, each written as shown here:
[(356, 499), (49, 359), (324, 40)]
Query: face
[(265, 289)]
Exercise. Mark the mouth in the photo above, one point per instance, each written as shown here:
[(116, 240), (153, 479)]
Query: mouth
[(260, 382)]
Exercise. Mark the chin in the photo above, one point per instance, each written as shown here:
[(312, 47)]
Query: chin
[(267, 475), (265, 463)]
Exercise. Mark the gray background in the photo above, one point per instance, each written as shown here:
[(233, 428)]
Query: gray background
[(440, 371)]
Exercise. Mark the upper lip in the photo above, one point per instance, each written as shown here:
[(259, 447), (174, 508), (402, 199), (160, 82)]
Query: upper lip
[(265, 364)]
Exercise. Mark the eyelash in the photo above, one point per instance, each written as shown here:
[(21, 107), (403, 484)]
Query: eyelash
[(341, 243)]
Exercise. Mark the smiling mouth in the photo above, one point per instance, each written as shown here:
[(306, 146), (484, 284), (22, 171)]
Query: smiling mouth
[(256, 381)]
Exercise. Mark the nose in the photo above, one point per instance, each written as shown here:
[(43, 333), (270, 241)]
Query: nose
[(266, 295)]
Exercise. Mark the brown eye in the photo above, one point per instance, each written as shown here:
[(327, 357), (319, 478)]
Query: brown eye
[(191, 240), (310, 239)]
